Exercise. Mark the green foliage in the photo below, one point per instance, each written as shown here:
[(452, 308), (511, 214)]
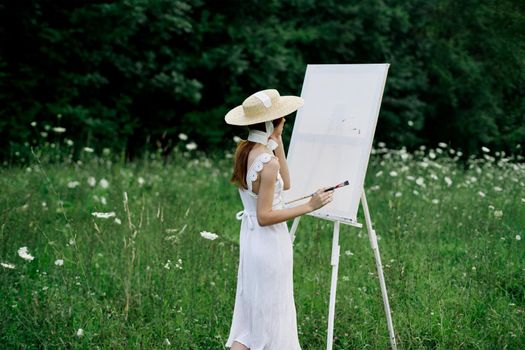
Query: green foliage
[(127, 73), (451, 243)]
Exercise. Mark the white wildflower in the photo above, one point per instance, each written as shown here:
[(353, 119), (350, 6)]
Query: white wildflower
[(442, 145), (168, 264), (179, 264), (410, 123), (73, 184), (141, 181), (103, 183), (59, 262), (448, 180), (236, 139), (167, 341), (485, 149), (518, 238), (420, 181), (118, 221), (80, 332), (497, 189), (381, 144), (7, 265), (498, 213), (104, 215), (69, 142), (24, 254), (33, 124), (183, 137), (398, 194), (435, 201), (209, 235), (43, 134), (88, 149), (59, 129), (393, 173), (379, 173), (481, 194), (191, 146), (103, 200), (347, 252), (91, 181)]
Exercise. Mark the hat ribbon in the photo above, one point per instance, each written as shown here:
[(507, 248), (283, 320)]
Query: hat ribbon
[(263, 137)]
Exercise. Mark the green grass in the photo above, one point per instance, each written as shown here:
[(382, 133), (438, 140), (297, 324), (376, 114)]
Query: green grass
[(455, 270)]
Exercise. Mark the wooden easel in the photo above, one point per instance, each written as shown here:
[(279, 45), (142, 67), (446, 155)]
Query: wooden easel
[(334, 261)]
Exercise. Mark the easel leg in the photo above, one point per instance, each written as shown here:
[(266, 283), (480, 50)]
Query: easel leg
[(335, 264), (373, 242), (294, 228)]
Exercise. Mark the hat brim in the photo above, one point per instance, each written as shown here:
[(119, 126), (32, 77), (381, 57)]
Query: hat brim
[(289, 104)]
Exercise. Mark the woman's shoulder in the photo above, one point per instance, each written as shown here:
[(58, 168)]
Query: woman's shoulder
[(263, 159), (263, 156)]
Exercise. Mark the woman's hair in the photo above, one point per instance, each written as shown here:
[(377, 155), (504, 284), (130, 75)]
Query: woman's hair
[(241, 157)]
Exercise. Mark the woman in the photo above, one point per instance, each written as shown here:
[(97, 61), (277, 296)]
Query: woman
[(264, 315)]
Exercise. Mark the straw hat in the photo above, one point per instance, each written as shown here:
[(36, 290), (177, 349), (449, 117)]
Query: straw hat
[(263, 106)]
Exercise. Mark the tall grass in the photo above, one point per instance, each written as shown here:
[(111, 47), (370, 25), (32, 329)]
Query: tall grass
[(450, 241)]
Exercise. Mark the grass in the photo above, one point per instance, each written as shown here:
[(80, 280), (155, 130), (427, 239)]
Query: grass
[(453, 258)]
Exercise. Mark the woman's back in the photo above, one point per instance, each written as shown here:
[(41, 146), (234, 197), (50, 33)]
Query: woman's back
[(249, 196)]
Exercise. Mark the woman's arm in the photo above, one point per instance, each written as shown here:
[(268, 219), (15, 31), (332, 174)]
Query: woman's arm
[(265, 214), (279, 152)]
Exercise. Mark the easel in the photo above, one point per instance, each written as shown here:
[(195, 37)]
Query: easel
[(335, 263)]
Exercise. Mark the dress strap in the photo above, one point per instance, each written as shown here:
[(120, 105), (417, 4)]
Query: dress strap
[(256, 166)]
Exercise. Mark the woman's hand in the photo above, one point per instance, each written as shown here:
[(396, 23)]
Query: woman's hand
[(278, 130), (320, 198)]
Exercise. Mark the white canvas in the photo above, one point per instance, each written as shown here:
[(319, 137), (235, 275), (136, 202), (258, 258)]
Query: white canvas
[(332, 135)]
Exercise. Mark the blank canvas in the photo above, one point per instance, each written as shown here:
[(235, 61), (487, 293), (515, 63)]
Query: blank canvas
[(332, 135)]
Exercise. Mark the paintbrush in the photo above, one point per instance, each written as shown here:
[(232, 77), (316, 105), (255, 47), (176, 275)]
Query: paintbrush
[(342, 184)]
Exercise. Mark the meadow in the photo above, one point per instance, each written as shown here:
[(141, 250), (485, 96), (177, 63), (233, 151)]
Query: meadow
[(98, 253)]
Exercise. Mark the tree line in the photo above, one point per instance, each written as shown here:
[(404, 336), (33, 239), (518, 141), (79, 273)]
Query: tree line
[(133, 74)]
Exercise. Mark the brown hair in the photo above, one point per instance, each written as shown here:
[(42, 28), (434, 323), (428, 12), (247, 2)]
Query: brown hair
[(241, 157)]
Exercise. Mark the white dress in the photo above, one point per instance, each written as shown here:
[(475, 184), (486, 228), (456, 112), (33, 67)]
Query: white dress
[(264, 315)]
